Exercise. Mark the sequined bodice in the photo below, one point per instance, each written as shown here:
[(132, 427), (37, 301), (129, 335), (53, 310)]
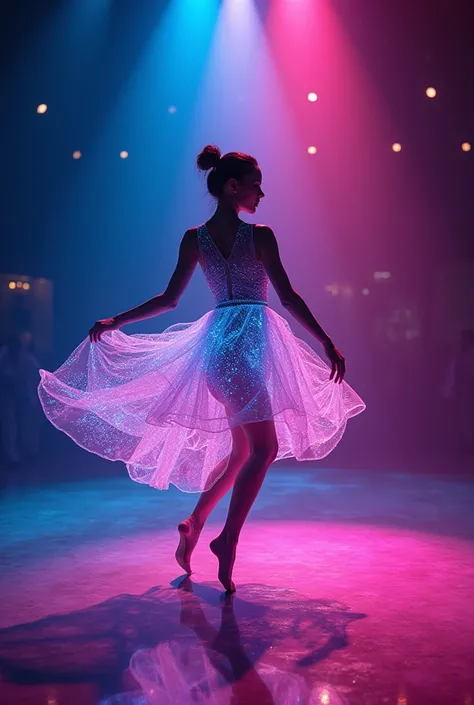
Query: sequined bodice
[(241, 276)]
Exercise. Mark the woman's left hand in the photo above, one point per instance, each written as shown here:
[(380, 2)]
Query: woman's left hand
[(338, 364), (102, 326)]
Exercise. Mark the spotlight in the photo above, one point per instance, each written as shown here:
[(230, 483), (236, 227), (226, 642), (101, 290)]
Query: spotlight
[(312, 150), (41, 109), (466, 147), (11, 285), (312, 97), (431, 92), (172, 109), (26, 286), (19, 285), (77, 154), (123, 155), (397, 147)]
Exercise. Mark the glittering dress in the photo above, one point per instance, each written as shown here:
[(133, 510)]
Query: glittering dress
[(164, 403)]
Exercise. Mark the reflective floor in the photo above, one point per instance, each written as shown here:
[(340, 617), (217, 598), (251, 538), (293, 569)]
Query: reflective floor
[(353, 587)]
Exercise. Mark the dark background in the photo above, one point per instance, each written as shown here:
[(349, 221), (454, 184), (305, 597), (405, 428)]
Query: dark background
[(47, 232)]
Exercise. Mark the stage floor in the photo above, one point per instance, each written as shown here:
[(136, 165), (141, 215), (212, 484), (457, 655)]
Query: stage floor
[(358, 585)]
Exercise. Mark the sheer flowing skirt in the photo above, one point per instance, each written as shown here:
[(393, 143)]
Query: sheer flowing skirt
[(164, 403)]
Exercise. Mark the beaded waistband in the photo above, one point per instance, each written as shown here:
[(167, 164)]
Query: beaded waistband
[(242, 302)]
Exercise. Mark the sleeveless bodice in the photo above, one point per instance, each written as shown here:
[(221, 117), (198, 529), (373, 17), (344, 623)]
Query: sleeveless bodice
[(239, 277)]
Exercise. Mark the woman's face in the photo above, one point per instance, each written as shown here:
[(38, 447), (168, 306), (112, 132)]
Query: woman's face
[(247, 192)]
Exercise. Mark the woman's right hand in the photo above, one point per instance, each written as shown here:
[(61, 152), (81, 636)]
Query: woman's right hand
[(338, 364), (102, 326)]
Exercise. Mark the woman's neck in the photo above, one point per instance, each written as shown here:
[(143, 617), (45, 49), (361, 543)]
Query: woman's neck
[(225, 216)]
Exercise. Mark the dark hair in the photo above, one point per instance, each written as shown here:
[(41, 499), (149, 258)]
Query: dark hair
[(233, 165)]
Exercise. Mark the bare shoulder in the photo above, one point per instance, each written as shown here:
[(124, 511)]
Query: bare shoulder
[(264, 231), (190, 236), (189, 243), (266, 250), (264, 238)]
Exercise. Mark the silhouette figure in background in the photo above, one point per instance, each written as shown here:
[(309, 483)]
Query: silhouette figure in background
[(19, 410), (459, 389), (209, 405)]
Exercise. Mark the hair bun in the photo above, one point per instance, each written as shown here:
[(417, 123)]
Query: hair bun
[(209, 157)]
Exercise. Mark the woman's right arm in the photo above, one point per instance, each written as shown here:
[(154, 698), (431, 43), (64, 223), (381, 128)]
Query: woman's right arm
[(168, 300)]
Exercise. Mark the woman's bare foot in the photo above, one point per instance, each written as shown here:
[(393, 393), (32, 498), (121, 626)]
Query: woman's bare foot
[(225, 550), (189, 532)]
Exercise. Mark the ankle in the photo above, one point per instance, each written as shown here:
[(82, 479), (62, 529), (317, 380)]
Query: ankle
[(196, 521), (228, 537)]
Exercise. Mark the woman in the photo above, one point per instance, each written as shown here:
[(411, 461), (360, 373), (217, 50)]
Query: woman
[(209, 405)]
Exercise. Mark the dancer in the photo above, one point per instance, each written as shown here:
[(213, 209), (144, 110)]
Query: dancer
[(209, 405)]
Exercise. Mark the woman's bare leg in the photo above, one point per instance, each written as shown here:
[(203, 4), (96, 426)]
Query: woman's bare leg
[(208, 500), (263, 449), (190, 529)]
